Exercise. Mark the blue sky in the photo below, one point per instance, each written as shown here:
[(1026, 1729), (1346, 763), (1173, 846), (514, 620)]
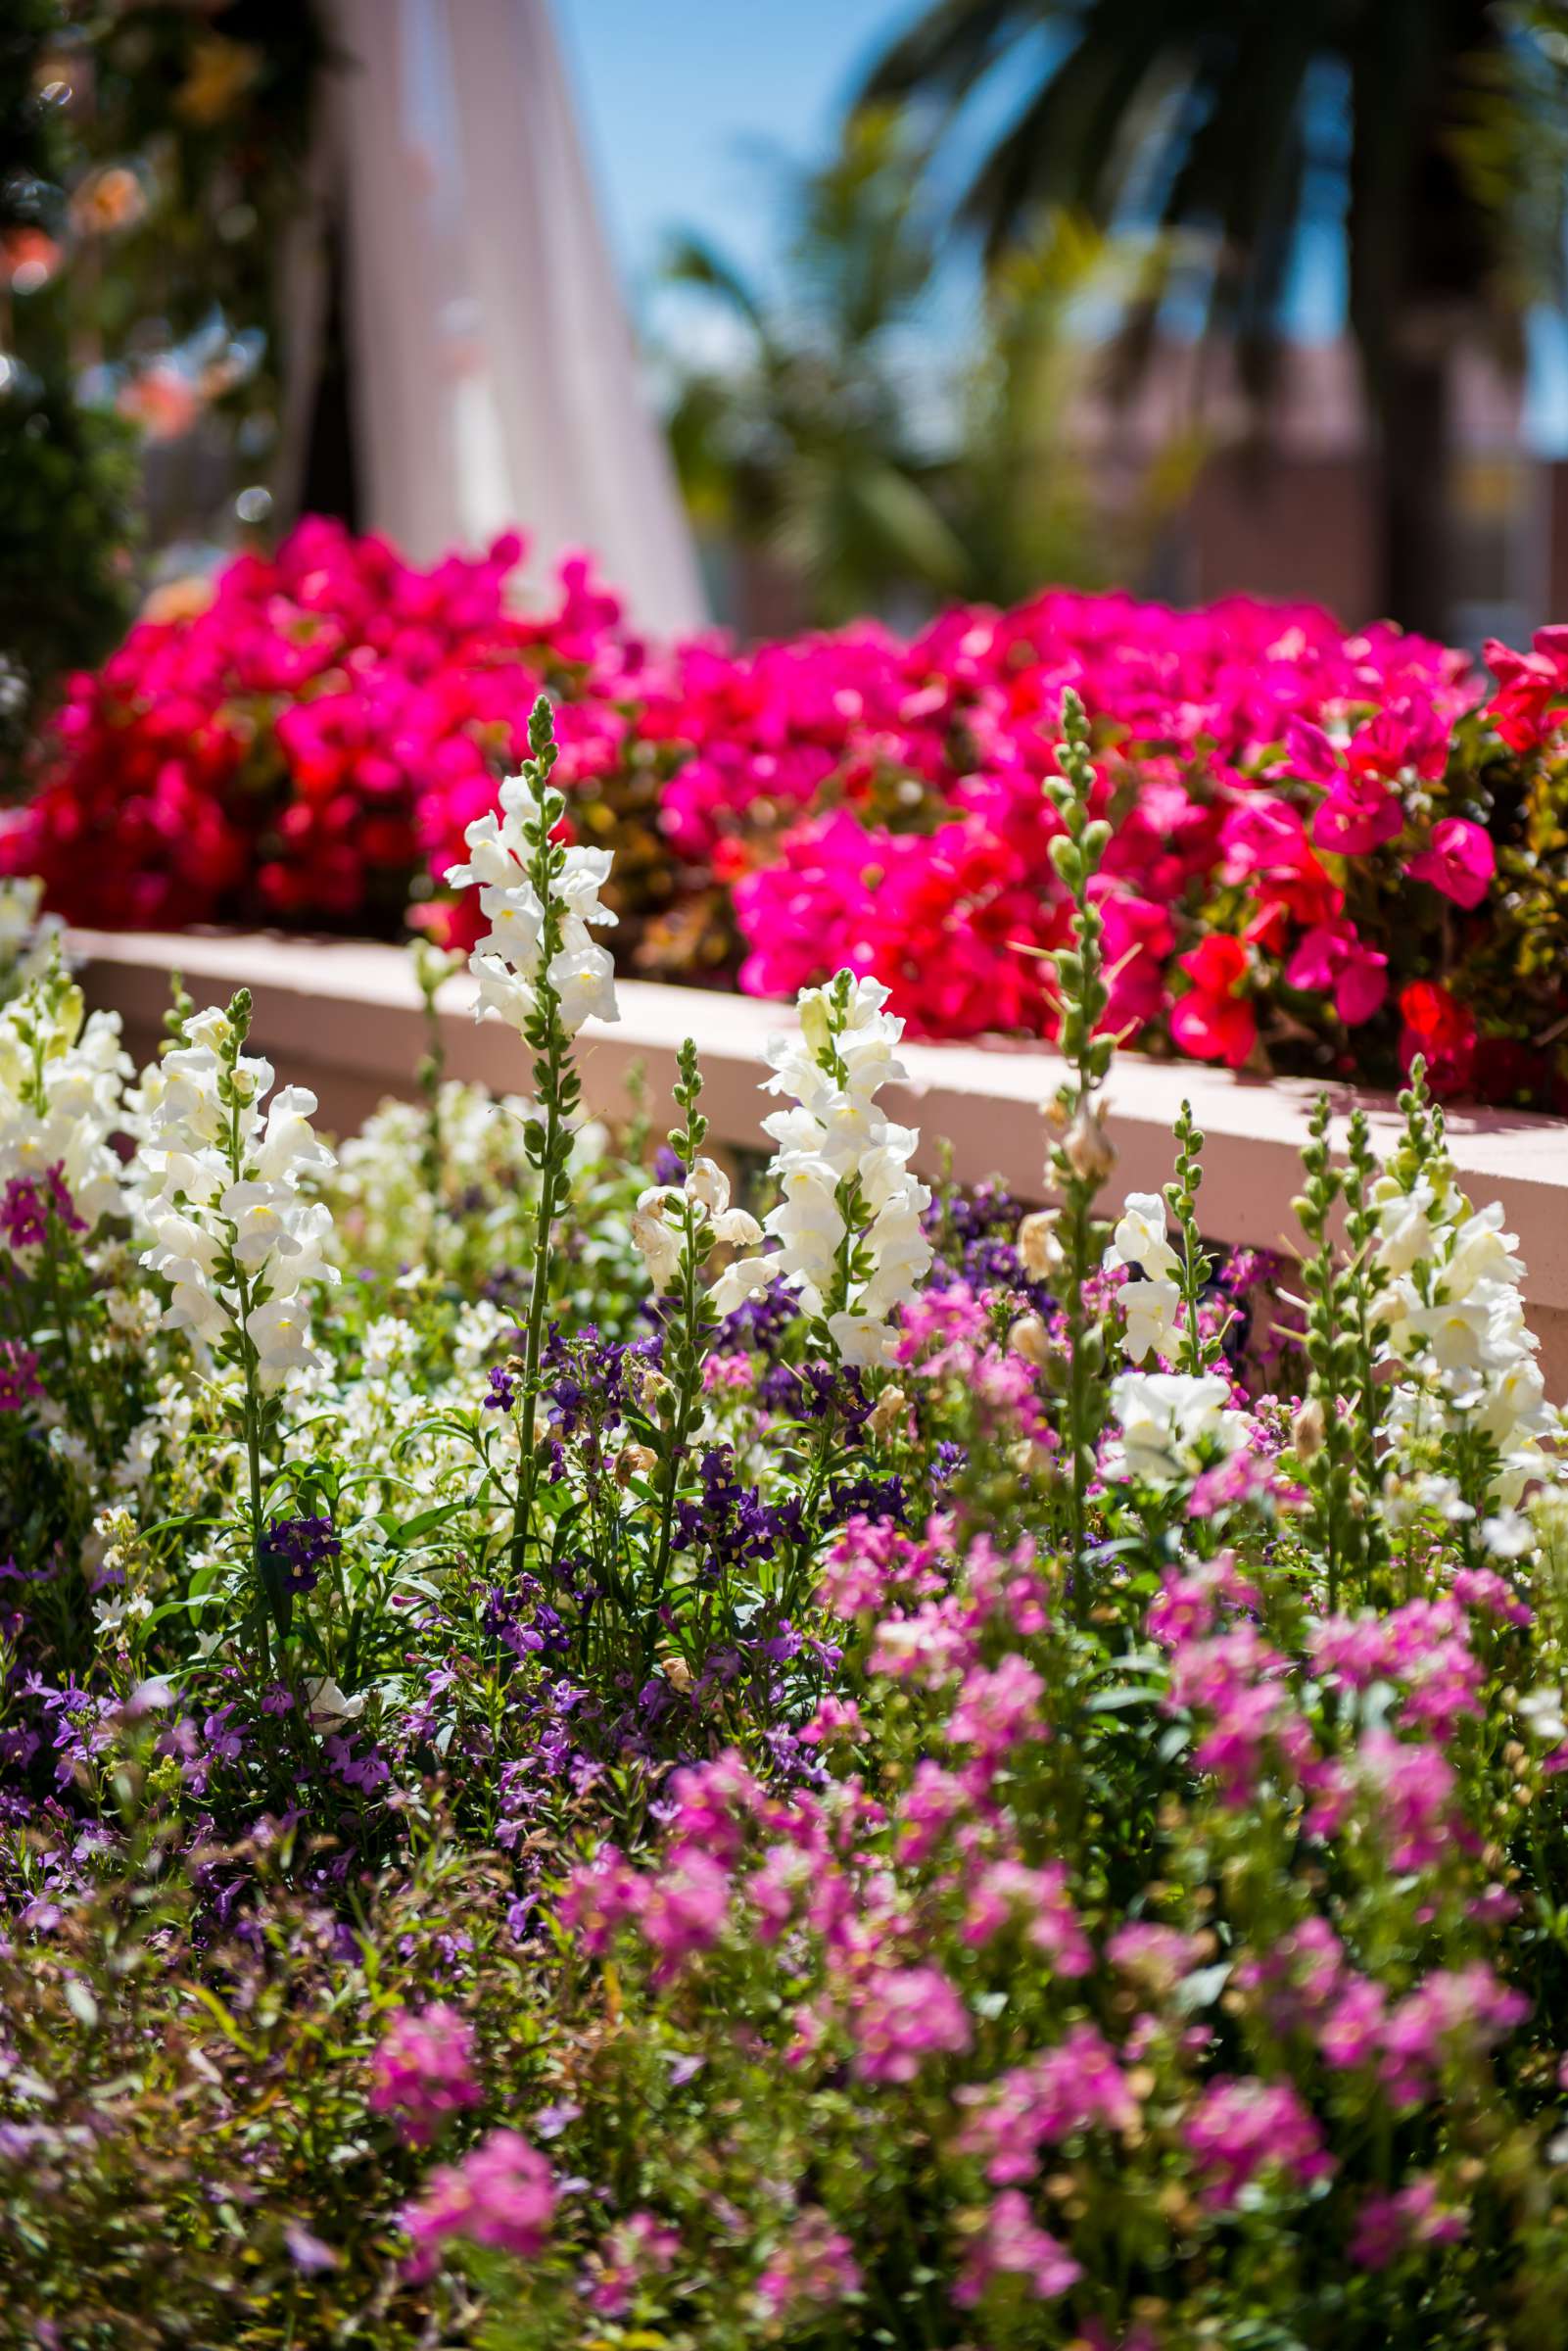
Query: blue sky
[(675, 92)]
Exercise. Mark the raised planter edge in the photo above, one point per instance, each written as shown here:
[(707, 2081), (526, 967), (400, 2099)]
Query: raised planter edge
[(344, 1018)]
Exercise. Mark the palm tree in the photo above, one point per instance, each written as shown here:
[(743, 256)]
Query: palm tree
[(1438, 126), (805, 445)]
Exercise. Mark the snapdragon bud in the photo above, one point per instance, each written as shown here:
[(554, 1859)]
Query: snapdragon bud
[(1308, 1431), (1090, 1152), (1039, 1249), (887, 1413), (816, 1020), (1029, 1338), (633, 1461)]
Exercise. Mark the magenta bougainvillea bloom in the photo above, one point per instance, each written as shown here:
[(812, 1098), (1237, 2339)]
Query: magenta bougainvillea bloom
[(1460, 861), (1330, 959), (313, 733), (1214, 1021)]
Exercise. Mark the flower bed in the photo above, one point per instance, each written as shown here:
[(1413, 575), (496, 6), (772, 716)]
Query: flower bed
[(346, 1018), (1328, 852), (589, 1760)]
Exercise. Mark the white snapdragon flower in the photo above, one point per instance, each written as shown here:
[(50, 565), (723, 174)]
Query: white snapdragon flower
[(1139, 1239), (1407, 1222), (223, 1216), (1509, 1535), (506, 961), (387, 1210), (658, 1226), (327, 1706), (851, 1242), (1172, 1423), (1455, 1337), (61, 1098), (1149, 1327), (1543, 1714), (1150, 1307)]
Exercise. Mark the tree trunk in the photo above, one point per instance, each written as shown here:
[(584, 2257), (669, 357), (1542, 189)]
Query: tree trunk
[(1414, 488)]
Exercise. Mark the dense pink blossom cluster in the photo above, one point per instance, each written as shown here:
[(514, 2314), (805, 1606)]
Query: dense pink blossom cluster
[(290, 744), (1310, 827)]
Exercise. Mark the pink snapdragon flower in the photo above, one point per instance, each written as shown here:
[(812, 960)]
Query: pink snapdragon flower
[(423, 2071), (598, 1895), (1412, 1787), (683, 1910), (1423, 1645), (1013, 2244), (1454, 2018), (1240, 1685), (1009, 1892), (813, 2269), (1077, 2086), (502, 2194), (632, 2250), (903, 2017), (1244, 2128), (1387, 2227), (20, 1383), (998, 1708)]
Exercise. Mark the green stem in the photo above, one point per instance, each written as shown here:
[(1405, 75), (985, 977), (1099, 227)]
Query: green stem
[(253, 1455), (528, 1484), (680, 1426), (80, 1394), (816, 1480), (253, 1414)]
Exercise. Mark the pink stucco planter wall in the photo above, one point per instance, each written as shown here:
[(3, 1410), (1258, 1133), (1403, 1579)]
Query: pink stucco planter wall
[(343, 1017)]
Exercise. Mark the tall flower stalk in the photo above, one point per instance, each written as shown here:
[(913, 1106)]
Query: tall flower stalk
[(849, 1224), (1330, 1343), (61, 1083), (675, 1227), (1079, 1156), (233, 1236), (539, 970), (1464, 1420), (432, 969), (851, 1241), (1201, 1349)]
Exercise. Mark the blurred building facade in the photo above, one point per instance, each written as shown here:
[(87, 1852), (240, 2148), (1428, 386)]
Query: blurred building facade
[(1285, 508)]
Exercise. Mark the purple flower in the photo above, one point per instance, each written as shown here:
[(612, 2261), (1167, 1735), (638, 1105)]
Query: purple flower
[(302, 1545), (29, 1205), (20, 1384)]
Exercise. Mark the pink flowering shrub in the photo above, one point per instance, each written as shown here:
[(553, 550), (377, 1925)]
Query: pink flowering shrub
[(1329, 852)]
